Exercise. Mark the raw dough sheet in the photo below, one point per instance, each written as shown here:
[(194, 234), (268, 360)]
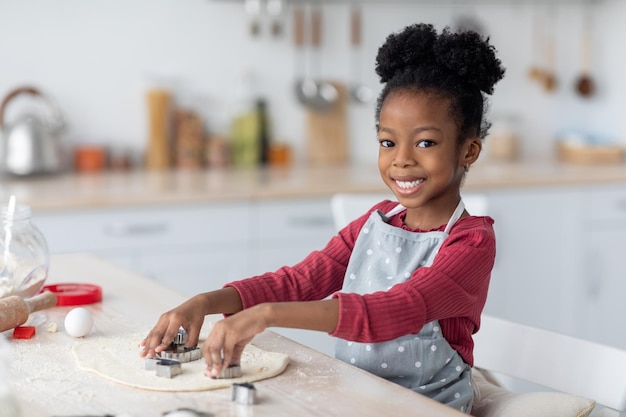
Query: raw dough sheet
[(117, 359)]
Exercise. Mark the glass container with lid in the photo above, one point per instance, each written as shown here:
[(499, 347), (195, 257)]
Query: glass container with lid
[(24, 256)]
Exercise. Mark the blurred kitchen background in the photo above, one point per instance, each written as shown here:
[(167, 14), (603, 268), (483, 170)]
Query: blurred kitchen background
[(99, 59)]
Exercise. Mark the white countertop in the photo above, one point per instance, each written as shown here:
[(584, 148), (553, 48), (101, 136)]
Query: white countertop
[(47, 382), (110, 189)]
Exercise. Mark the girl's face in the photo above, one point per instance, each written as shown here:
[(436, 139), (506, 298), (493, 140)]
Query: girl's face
[(420, 159)]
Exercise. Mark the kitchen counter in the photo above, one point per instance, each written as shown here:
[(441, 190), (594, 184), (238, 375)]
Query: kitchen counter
[(159, 187), (46, 381)]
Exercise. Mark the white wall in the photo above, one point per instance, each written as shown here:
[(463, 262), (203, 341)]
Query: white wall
[(96, 58)]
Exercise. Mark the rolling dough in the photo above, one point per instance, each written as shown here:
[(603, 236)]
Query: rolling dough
[(117, 359)]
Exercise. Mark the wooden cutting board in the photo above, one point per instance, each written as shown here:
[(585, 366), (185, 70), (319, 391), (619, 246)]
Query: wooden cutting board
[(327, 132)]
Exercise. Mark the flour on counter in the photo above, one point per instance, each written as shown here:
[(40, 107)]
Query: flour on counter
[(117, 359)]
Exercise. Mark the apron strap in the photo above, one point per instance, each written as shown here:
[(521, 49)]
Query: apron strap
[(397, 209), (460, 208)]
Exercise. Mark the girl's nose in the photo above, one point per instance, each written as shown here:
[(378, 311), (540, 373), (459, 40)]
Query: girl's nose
[(404, 157)]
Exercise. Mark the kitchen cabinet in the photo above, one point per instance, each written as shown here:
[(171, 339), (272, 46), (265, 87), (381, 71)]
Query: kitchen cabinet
[(285, 231), (190, 248), (604, 287), (539, 263), (560, 262)]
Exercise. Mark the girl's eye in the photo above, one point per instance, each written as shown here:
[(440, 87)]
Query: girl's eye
[(425, 143), (386, 143)]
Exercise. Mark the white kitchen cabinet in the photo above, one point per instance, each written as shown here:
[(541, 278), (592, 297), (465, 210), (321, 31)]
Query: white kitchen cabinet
[(190, 248), (286, 231), (194, 269), (603, 290), (539, 263)]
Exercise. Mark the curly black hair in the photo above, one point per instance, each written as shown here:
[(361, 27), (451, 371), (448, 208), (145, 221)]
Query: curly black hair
[(462, 67)]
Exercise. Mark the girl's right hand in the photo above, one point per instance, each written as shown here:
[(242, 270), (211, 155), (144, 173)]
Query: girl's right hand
[(189, 315)]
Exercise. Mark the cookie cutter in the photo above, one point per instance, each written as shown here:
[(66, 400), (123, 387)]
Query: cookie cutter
[(177, 350), (244, 393), (167, 368), (231, 371)]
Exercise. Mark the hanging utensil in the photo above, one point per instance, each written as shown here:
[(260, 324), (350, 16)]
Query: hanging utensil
[(585, 85), (536, 72), (253, 9), (359, 92), (549, 77), (306, 87), (327, 94), (275, 10)]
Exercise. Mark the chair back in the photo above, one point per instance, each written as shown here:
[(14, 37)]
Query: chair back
[(557, 361)]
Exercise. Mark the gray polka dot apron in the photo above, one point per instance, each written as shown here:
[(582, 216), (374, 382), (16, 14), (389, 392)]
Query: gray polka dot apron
[(385, 255)]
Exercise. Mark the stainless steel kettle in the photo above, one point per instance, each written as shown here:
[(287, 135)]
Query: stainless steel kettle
[(30, 145)]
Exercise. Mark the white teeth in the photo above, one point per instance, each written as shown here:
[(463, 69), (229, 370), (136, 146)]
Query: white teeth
[(409, 184)]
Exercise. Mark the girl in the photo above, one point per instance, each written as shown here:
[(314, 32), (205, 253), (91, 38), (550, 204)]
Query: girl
[(409, 280)]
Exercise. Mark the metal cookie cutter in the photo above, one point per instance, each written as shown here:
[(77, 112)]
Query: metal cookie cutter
[(177, 350), (231, 371), (167, 368), (243, 393)]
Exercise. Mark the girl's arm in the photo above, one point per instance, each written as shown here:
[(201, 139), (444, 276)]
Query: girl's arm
[(230, 335)]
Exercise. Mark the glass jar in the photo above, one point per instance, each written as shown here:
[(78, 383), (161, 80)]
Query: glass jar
[(24, 257)]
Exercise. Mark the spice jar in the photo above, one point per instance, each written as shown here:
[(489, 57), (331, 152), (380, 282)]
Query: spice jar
[(24, 256)]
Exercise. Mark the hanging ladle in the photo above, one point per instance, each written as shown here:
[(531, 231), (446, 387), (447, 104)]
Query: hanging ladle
[(306, 87), (327, 94), (253, 9), (359, 92), (317, 95), (585, 85), (549, 79)]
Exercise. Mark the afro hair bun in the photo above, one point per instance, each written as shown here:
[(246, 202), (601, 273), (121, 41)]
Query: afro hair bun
[(465, 58)]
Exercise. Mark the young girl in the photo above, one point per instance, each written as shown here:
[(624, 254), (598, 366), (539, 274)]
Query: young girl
[(409, 280)]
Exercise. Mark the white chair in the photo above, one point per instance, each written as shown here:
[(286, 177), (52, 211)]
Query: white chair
[(555, 361), (347, 207)]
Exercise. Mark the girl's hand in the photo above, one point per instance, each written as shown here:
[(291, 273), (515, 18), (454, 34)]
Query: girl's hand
[(189, 315), (229, 336)]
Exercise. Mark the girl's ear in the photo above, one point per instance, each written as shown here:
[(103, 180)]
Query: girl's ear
[(471, 151)]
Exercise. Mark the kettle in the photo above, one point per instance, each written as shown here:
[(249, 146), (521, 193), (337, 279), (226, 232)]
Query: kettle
[(30, 145)]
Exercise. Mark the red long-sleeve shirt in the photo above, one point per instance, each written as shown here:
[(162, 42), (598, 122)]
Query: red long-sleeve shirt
[(452, 290)]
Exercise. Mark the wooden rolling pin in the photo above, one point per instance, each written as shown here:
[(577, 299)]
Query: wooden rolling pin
[(14, 310)]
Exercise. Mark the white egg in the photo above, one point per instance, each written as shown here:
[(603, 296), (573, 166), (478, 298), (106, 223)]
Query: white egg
[(78, 322)]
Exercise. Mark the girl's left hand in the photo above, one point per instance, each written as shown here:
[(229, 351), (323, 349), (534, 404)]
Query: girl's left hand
[(228, 338)]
